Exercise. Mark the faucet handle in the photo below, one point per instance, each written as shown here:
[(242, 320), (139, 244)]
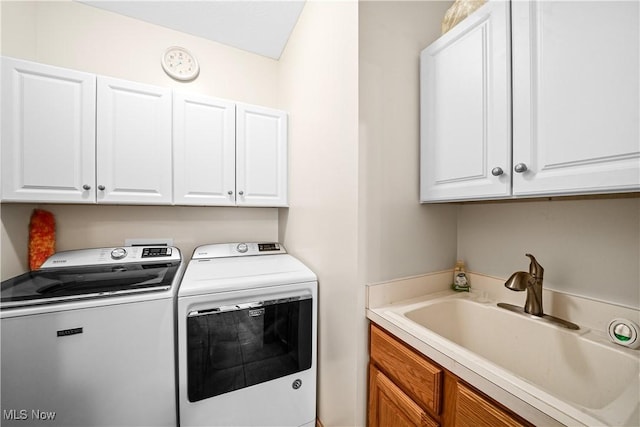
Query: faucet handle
[(535, 268)]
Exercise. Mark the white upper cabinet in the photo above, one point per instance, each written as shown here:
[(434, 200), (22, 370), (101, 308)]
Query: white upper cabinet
[(48, 133), (261, 156), (576, 116), (228, 154), (73, 137), (134, 163), (574, 122), (466, 109), (204, 150)]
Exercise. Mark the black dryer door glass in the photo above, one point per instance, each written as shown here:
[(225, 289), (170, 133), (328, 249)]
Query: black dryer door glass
[(229, 348)]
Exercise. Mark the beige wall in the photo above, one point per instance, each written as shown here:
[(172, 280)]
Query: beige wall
[(97, 226), (319, 85), (400, 237), (587, 247)]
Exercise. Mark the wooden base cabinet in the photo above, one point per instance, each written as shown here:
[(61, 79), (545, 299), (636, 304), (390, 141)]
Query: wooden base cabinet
[(407, 389)]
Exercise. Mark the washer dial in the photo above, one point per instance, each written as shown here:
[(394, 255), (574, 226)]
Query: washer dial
[(118, 253)]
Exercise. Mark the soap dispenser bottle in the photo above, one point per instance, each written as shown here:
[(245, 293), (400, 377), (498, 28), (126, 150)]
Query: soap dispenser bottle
[(460, 279)]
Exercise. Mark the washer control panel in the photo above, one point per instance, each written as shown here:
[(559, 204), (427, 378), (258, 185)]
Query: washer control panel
[(117, 255), (223, 250), (155, 252)]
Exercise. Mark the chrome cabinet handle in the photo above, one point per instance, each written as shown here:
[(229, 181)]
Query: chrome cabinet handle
[(230, 192), (86, 187), (241, 193), (497, 171), (520, 168), (101, 187)]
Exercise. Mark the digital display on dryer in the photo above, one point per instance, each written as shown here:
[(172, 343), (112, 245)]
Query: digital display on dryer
[(264, 247)]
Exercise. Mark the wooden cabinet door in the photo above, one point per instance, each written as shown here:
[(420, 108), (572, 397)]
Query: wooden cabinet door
[(473, 410), (204, 155), (465, 109), (576, 103), (391, 407), (261, 156), (133, 143), (48, 133)]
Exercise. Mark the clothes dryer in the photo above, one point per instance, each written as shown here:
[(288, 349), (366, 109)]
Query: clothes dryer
[(247, 332)]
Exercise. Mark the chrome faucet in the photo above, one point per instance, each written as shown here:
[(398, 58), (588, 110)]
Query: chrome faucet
[(532, 283)]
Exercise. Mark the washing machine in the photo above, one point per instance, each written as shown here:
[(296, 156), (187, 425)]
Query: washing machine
[(89, 339), (247, 333)]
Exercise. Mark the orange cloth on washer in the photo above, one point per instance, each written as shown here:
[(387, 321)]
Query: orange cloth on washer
[(42, 237)]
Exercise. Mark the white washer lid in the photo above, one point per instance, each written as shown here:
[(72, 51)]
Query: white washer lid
[(212, 275)]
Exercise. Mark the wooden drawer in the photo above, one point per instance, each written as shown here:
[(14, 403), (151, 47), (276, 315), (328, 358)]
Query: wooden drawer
[(420, 379)]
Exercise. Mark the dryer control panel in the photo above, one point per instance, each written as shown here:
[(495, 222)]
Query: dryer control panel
[(224, 250)]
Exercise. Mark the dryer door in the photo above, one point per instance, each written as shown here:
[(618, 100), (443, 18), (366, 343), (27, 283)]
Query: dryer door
[(236, 346)]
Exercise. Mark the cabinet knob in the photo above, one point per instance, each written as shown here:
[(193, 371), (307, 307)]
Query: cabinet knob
[(101, 187), (497, 171), (230, 192), (520, 168), (86, 187), (241, 193)]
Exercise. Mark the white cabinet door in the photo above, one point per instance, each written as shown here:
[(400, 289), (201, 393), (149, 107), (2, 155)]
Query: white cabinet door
[(48, 133), (576, 116), (261, 156), (466, 109), (133, 143), (204, 153)]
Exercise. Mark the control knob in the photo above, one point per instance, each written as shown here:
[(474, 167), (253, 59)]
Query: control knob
[(242, 248), (118, 253)]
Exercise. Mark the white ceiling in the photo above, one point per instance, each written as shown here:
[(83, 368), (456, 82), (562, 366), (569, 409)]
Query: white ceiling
[(258, 26)]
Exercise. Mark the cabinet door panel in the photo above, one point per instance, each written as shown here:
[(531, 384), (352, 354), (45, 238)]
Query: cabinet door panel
[(261, 156), (473, 410), (576, 96), (465, 109), (133, 143), (203, 150), (48, 133), (390, 407)]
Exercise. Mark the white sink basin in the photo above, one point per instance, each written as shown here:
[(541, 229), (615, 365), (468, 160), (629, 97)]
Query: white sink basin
[(590, 374)]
